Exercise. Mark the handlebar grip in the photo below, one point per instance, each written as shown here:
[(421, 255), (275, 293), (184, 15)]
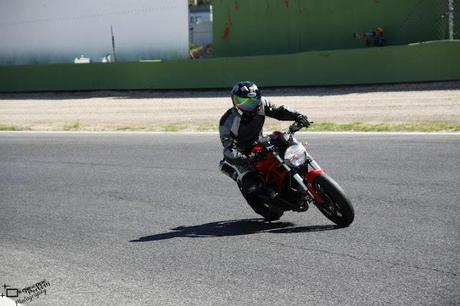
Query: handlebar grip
[(296, 126)]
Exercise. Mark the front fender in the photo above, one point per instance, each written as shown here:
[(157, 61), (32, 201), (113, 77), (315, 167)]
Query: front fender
[(310, 178)]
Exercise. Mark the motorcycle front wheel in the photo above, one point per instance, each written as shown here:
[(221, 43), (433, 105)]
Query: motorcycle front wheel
[(336, 206)]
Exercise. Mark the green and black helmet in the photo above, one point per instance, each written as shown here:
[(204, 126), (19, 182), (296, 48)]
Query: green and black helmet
[(246, 97)]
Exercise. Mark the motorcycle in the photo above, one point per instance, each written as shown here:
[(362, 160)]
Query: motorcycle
[(293, 180)]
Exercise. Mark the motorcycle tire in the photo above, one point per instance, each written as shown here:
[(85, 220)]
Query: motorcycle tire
[(337, 207), (267, 211), (259, 205)]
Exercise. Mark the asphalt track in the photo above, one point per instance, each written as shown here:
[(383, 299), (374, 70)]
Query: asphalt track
[(146, 219)]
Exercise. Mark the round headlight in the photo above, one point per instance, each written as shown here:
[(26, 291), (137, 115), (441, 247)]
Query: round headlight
[(295, 155)]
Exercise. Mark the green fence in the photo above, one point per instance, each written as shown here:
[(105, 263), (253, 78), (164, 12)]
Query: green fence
[(258, 27), (429, 61)]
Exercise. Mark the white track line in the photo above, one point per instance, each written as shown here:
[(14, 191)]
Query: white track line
[(216, 133), (4, 301)]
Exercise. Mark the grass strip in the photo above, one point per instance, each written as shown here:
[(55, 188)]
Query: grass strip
[(212, 127), (7, 127), (385, 127), (76, 126)]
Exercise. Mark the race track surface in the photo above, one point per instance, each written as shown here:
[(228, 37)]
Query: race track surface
[(147, 219)]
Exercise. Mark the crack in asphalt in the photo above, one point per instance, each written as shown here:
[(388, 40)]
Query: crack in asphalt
[(354, 257)]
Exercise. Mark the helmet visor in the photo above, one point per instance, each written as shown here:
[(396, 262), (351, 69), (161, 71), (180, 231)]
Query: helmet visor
[(247, 104)]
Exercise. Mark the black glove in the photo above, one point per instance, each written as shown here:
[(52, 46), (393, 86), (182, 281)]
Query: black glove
[(302, 121)]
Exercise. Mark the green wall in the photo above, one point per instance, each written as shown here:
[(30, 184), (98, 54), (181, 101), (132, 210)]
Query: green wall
[(255, 27), (429, 61)]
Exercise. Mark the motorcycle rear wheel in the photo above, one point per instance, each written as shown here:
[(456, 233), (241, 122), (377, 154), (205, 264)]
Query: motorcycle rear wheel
[(337, 207), (266, 210), (259, 205)]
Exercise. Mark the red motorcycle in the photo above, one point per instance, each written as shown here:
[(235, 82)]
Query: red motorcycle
[(295, 180)]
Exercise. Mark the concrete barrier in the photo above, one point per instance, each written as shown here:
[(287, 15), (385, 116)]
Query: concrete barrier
[(427, 61)]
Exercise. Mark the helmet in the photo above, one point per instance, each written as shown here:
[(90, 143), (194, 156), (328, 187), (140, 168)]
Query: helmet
[(246, 98)]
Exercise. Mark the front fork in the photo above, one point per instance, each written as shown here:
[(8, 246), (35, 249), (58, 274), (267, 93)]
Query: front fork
[(310, 192), (310, 178)]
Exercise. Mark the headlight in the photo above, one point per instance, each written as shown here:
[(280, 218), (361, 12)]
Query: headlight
[(295, 155)]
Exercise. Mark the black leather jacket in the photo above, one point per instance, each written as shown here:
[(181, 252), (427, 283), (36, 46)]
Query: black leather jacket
[(238, 134)]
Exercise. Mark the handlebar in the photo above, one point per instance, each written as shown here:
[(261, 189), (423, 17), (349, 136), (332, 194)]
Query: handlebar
[(295, 127)]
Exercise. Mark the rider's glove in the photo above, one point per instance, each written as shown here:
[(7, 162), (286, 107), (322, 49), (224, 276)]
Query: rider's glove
[(302, 120)]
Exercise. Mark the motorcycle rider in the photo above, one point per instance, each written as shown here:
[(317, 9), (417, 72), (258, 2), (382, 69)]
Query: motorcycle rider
[(240, 128)]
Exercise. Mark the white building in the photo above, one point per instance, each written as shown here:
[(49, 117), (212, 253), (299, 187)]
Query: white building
[(58, 31)]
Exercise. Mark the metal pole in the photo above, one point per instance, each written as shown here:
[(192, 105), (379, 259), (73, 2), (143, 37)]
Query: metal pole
[(113, 45), (451, 19)]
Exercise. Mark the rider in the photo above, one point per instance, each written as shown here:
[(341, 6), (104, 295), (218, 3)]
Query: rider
[(240, 128)]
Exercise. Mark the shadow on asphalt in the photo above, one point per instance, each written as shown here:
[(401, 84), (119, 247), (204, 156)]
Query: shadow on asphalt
[(234, 228)]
